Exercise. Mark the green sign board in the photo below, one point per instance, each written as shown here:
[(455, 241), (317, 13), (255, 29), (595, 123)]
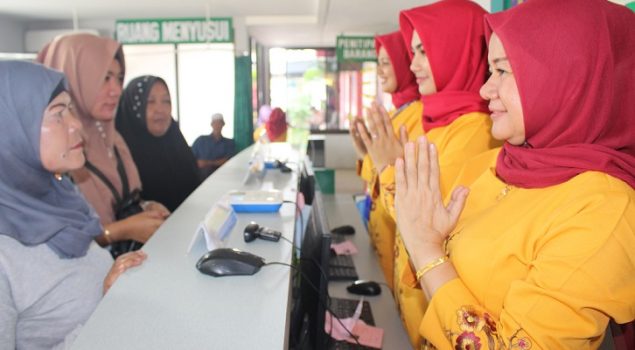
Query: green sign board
[(356, 48), (174, 30), (631, 5)]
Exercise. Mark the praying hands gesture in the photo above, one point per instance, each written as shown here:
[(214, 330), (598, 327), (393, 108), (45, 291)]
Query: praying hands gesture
[(423, 219), (379, 139), (358, 144)]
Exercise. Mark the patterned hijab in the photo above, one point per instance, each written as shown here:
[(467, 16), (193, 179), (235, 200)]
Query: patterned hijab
[(575, 73), (166, 164), (84, 59), (453, 35), (35, 207), (407, 88)]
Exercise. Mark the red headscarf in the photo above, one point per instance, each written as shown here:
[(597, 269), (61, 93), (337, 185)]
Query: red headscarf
[(453, 35), (574, 65), (407, 88), (277, 124)]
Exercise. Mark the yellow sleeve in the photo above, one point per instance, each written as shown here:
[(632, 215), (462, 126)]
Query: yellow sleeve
[(410, 299), (281, 138), (387, 190), (366, 170), (257, 133), (566, 298), (460, 141)]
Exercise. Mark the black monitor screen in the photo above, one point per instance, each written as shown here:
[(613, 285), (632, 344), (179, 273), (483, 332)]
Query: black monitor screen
[(314, 264), (307, 182)]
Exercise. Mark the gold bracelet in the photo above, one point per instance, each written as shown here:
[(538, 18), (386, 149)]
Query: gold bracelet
[(429, 266), (107, 236)]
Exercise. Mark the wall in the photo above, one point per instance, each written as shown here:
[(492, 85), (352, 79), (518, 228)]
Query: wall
[(107, 28), (12, 35)]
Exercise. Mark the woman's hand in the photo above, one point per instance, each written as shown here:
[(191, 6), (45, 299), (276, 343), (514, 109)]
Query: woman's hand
[(156, 206), (123, 263), (358, 144), (140, 227), (423, 219), (380, 140)]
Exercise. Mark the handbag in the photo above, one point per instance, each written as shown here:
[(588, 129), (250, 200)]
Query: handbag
[(124, 205)]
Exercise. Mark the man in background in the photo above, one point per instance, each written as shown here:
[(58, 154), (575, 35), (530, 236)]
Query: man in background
[(213, 150)]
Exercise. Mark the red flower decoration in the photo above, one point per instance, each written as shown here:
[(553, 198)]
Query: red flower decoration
[(467, 341), (490, 323)]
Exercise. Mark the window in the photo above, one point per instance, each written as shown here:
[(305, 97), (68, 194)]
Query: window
[(200, 78)]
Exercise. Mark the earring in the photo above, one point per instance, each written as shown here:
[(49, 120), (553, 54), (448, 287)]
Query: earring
[(58, 176)]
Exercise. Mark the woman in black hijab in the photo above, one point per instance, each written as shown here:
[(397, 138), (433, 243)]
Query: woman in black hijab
[(166, 165)]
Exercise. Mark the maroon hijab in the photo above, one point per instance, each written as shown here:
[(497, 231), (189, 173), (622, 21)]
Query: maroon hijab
[(276, 125), (574, 65), (453, 35), (407, 88)]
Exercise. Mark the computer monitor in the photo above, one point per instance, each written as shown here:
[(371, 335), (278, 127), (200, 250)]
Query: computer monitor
[(313, 285), (307, 181)]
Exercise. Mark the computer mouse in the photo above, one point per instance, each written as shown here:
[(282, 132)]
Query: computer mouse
[(362, 287), (282, 166), (344, 230), (229, 262)]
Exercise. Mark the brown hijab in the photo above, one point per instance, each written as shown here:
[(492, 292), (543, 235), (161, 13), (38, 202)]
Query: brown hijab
[(84, 59)]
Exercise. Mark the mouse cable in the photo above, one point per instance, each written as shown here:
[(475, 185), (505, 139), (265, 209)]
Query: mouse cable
[(315, 289), (286, 239)]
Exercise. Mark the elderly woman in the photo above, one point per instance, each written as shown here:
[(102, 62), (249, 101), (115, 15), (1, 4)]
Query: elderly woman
[(165, 162), (540, 256), (52, 275)]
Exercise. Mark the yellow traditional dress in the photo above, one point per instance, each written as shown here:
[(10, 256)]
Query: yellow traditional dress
[(464, 138), (381, 226), (533, 263)]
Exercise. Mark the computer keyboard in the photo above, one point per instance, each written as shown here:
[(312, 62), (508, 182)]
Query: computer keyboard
[(341, 261), (344, 308), (339, 273), (335, 238), (342, 268)]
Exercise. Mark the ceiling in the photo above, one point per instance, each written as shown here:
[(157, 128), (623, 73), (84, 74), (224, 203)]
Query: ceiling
[(272, 23)]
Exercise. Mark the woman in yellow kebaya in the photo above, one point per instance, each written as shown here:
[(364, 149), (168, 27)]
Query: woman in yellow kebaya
[(450, 64), (540, 256), (397, 80)]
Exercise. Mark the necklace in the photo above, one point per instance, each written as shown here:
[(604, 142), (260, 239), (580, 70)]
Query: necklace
[(102, 133)]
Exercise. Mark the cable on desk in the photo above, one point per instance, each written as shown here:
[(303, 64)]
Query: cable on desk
[(317, 291), (286, 239)]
